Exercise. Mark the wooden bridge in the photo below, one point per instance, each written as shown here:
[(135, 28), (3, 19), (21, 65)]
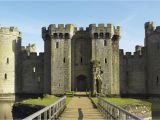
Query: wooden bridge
[(81, 108)]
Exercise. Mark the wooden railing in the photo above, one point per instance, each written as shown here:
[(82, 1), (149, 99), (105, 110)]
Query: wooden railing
[(50, 112), (113, 112)]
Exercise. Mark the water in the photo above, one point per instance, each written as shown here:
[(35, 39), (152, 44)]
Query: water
[(6, 110)]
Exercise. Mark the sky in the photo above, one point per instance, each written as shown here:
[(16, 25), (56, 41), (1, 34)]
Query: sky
[(31, 16)]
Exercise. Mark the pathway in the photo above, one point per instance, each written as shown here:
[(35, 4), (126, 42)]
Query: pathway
[(81, 108)]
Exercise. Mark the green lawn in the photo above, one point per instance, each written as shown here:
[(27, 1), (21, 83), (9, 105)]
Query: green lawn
[(44, 101), (41, 101), (127, 101), (123, 101)]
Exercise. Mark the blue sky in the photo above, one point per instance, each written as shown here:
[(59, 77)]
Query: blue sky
[(29, 17)]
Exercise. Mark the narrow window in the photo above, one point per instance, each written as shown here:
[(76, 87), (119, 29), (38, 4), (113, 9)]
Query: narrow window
[(101, 35), (60, 35), (55, 36), (81, 60), (64, 60), (157, 82), (34, 69), (95, 35), (105, 60), (7, 60), (105, 42), (5, 76), (107, 35), (66, 35), (57, 44)]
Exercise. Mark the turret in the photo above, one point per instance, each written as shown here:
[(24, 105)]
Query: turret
[(105, 48), (149, 28), (57, 56), (10, 49)]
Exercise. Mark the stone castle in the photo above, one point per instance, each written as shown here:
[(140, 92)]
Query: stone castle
[(79, 60)]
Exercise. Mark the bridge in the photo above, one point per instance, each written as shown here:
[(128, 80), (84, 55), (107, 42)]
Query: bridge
[(81, 108)]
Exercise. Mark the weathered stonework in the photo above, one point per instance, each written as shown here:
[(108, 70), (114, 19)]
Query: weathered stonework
[(140, 73), (79, 60), (72, 51), (10, 48)]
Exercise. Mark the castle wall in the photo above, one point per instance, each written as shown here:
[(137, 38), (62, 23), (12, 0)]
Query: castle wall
[(81, 57), (102, 50), (47, 61), (152, 42), (32, 73), (10, 47), (133, 73), (60, 57)]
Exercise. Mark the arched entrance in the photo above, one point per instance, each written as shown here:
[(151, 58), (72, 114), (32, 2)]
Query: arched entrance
[(81, 83)]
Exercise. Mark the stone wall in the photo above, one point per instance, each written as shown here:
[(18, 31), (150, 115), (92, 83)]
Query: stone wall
[(132, 73), (32, 73), (105, 48), (152, 44), (10, 47), (81, 57)]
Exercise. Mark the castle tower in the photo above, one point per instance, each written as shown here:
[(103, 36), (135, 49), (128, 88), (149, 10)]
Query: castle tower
[(105, 49), (152, 44), (10, 48), (58, 50)]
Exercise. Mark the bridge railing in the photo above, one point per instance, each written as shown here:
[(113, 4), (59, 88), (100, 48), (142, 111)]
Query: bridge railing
[(50, 112), (113, 112)]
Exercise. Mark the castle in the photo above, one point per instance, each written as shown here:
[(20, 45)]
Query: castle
[(79, 60)]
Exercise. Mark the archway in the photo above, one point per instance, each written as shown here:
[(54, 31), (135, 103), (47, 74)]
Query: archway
[(81, 83)]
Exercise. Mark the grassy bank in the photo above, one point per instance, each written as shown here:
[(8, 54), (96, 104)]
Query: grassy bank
[(44, 101), (41, 101), (123, 101)]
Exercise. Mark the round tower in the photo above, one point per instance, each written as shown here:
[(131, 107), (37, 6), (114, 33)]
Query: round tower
[(10, 47)]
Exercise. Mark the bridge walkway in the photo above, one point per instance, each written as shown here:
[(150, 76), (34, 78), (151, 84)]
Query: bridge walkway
[(81, 108)]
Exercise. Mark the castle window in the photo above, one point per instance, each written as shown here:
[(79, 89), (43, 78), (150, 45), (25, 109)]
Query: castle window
[(64, 60), (101, 35), (95, 35), (157, 81), (57, 44), (7, 60), (55, 35), (34, 69), (105, 42), (60, 35), (107, 35), (5, 76), (81, 60), (105, 60), (66, 35)]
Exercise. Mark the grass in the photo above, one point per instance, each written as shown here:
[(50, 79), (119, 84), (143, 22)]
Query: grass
[(41, 101), (44, 101), (127, 101), (123, 101)]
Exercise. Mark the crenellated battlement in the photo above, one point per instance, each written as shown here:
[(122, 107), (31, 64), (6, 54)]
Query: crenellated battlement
[(139, 52), (10, 31), (33, 56), (59, 31), (104, 31), (150, 27)]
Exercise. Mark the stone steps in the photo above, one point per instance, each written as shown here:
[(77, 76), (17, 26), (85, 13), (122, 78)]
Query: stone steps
[(81, 108)]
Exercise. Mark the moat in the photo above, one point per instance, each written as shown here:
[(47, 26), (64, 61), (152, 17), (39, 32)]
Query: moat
[(6, 109)]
